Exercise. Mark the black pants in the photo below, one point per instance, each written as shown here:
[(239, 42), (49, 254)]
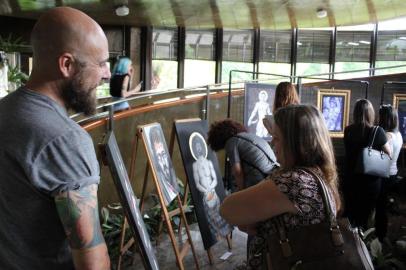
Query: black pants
[(361, 193), (381, 214)]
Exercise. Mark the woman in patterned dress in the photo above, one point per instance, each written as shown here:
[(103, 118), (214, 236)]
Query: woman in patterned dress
[(300, 140)]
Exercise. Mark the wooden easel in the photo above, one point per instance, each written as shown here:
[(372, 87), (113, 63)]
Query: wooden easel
[(179, 253), (172, 142)]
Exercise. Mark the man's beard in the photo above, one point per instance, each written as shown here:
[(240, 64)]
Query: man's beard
[(78, 98)]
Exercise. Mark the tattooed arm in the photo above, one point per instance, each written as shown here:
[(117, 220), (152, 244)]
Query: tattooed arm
[(79, 214)]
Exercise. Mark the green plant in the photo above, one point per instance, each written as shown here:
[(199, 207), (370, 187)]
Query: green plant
[(16, 76), (382, 258), (11, 45)]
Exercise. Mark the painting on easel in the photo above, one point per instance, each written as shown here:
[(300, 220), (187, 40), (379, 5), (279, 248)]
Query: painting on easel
[(204, 179), (112, 156), (161, 161)]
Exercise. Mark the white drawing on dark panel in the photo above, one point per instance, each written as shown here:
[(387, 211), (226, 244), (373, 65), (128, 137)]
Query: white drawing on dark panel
[(206, 182), (261, 109)]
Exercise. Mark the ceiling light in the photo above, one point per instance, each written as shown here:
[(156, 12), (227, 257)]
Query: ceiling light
[(321, 13), (122, 10), (353, 43), (402, 38)]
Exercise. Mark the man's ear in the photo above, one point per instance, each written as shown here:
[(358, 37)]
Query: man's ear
[(66, 64)]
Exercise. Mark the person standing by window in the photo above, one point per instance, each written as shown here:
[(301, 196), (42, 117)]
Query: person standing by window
[(120, 83)]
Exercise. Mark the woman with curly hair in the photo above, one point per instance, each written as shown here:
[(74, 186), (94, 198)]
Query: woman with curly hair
[(251, 158)]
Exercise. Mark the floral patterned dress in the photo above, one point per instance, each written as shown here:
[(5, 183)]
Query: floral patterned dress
[(303, 191)]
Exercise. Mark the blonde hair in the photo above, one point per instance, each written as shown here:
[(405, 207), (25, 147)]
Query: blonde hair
[(307, 140), (285, 94)]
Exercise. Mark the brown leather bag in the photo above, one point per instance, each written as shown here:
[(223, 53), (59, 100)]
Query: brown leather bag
[(329, 245)]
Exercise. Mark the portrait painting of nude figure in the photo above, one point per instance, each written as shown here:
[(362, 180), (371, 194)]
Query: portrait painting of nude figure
[(204, 179), (258, 103)]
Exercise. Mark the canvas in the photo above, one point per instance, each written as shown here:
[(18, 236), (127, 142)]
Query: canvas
[(399, 102), (160, 161), (259, 100), (204, 179), (334, 105), (128, 200)]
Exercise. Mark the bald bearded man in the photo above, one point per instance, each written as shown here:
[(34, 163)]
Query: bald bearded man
[(49, 173)]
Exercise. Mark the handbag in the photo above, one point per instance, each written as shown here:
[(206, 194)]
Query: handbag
[(373, 162), (332, 244)]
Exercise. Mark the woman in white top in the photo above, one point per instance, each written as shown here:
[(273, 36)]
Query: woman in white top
[(388, 120)]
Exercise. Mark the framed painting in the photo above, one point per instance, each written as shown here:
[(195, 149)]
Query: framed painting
[(259, 100), (335, 106), (111, 153), (204, 179), (399, 103), (160, 160)]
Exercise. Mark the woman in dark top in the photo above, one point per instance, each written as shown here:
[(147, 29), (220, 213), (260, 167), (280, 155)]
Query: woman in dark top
[(361, 191), (120, 83)]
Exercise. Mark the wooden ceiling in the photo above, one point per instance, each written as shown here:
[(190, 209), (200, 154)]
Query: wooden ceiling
[(234, 14)]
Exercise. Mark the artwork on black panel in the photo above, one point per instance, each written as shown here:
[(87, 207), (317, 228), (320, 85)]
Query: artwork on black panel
[(334, 105), (161, 161), (399, 101), (259, 100), (204, 179), (128, 200)]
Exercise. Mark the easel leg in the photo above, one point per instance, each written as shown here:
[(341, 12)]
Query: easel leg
[(122, 236), (185, 197), (188, 232), (160, 227), (229, 241), (210, 256)]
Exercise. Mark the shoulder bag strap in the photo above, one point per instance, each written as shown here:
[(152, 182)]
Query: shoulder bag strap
[(371, 143), (257, 145)]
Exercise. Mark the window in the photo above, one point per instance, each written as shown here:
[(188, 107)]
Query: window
[(352, 53), (313, 46), (275, 54), (164, 59), (275, 46), (238, 46), (391, 46), (200, 67)]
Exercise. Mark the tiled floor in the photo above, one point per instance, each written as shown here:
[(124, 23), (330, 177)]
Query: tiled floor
[(167, 260)]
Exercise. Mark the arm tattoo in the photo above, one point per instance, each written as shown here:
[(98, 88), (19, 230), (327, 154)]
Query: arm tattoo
[(79, 214)]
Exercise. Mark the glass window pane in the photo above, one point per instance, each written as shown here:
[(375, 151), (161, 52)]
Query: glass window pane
[(165, 44), (274, 68), (348, 66), (313, 46), (237, 76), (164, 75), (198, 72), (391, 46), (199, 44), (353, 46), (238, 45), (275, 46), (304, 69), (379, 64)]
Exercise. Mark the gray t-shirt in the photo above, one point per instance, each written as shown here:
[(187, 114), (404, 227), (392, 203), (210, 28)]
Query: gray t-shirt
[(42, 152), (245, 148)]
